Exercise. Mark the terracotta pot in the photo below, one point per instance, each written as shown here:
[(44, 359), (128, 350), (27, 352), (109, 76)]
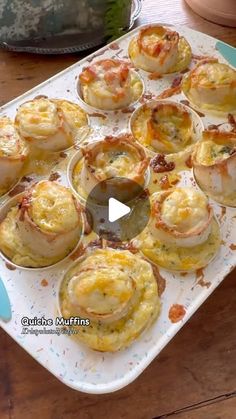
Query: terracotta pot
[(219, 11)]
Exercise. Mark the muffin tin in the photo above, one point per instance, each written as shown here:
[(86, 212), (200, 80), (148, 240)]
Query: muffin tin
[(35, 292)]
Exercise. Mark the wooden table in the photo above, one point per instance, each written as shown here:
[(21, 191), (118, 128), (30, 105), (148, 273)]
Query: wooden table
[(195, 375)]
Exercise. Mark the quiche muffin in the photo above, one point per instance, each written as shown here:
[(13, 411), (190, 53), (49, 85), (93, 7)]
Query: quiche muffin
[(214, 165), (183, 234), (211, 86), (110, 84), (164, 126), (13, 153), (117, 291), (44, 226), (50, 124), (160, 50), (110, 158)]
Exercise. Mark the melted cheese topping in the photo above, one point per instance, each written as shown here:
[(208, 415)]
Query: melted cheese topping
[(38, 118), (110, 76), (11, 145), (184, 56), (101, 292), (53, 208), (185, 209), (41, 118), (209, 152), (12, 246), (211, 85), (115, 162), (110, 84), (169, 128), (180, 258), (163, 128), (74, 115), (154, 40), (119, 293), (178, 62), (214, 165), (211, 74)]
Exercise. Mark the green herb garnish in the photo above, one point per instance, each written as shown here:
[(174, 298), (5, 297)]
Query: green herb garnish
[(226, 149), (117, 12)]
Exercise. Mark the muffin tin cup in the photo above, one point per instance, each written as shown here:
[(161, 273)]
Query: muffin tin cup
[(177, 271), (69, 268), (85, 128), (4, 209), (70, 170), (212, 196), (187, 271), (95, 110), (198, 125), (168, 73), (204, 111)]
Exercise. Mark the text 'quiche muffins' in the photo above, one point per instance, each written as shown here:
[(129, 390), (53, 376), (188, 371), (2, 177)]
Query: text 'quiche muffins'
[(211, 86), (13, 153), (112, 157), (109, 85), (214, 165), (183, 234), (160, 50), (165, 126), (50, 124), (43, 228), (117, 291)]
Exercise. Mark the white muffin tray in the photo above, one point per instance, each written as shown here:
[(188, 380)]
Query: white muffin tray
[(71, 362)]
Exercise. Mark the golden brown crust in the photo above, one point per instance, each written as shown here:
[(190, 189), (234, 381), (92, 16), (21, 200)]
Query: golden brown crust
[(160, 224), (24, 215), (125, 140), (219, 137), (162, 47)]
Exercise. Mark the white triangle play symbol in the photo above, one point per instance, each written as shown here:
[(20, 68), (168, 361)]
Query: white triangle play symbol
[(116, 210)]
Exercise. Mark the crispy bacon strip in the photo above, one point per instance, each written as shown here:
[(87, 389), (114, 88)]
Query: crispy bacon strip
[(161, 47)]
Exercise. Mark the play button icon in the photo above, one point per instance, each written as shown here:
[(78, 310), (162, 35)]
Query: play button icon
[(118, 209)]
